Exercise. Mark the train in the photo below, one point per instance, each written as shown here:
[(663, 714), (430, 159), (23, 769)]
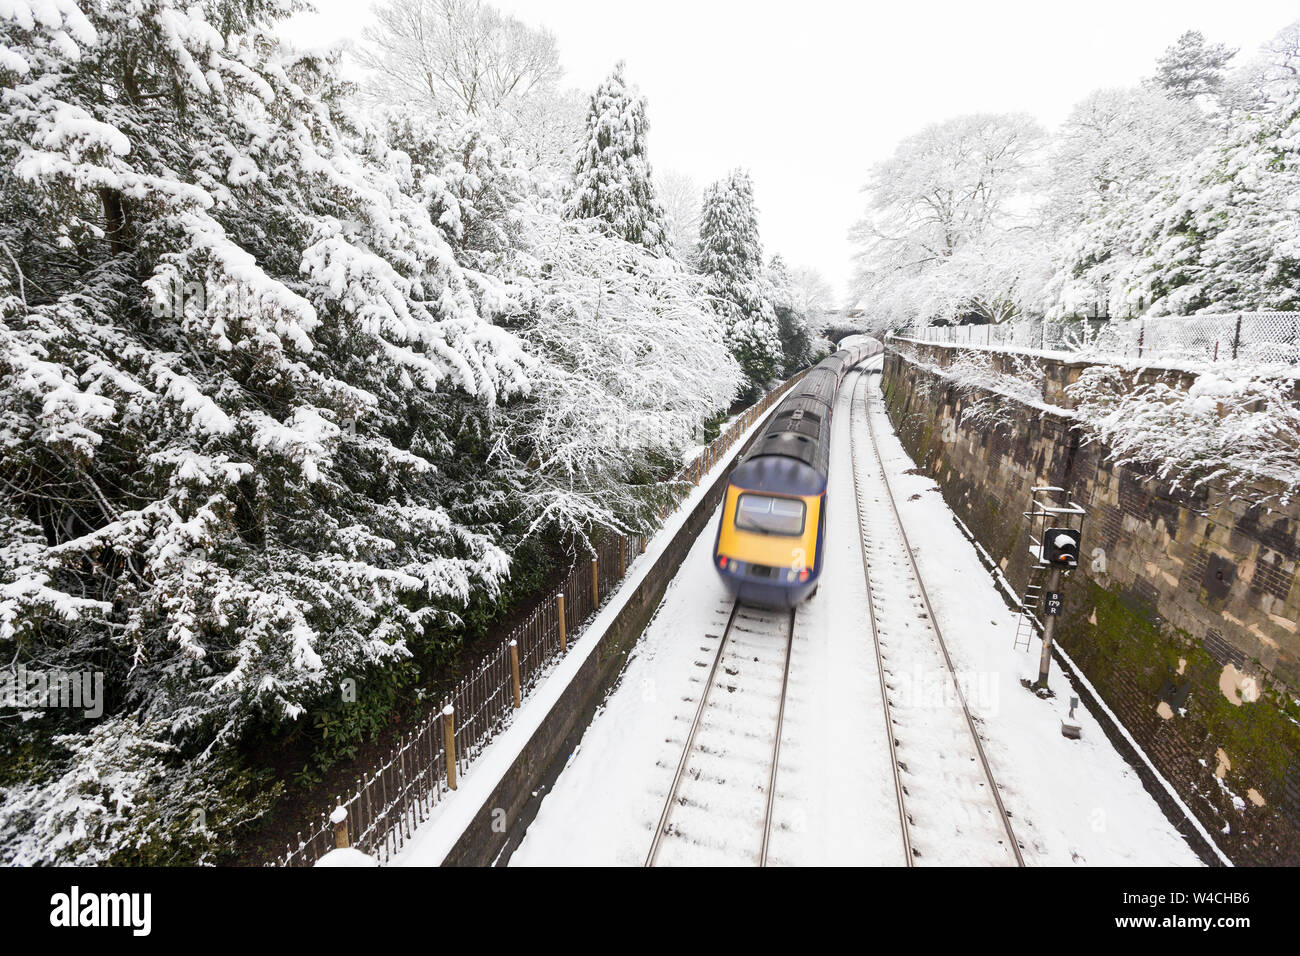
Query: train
[(769, 545)]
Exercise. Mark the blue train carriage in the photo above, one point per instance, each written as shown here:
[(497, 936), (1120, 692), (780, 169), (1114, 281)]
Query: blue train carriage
[(768, 548)]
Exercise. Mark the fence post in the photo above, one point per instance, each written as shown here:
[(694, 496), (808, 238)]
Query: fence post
[(622, 556), (449, 743), (564, 638), (340, 820), (1142, 335), (1236, 338), (595, 584), (514, 670)]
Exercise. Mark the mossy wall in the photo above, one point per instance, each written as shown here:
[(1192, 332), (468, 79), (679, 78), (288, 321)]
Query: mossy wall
[(1182, 614)]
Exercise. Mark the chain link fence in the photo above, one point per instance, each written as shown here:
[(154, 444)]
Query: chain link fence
[(381, 813), (1257, 337)]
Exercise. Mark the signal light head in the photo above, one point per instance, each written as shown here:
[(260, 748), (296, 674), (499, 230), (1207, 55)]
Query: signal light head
[(1061, 547)]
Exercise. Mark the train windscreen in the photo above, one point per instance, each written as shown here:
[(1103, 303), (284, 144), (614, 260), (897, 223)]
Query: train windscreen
[(768, 515)]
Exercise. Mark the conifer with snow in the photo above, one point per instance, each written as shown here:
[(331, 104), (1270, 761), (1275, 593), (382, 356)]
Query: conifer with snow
[(792, 319), (612, 181), (731, 259), (1192, 67)]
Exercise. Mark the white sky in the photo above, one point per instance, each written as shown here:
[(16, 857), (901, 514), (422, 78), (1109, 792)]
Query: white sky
[(808, 95)]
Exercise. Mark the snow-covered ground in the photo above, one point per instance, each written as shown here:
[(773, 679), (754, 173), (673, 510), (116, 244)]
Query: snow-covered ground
[(948, 794), (1071, 801)]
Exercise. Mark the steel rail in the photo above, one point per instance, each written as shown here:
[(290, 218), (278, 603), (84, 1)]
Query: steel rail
[(943, 647), (776, 746), (662, 827), (903, 824), (688, 748)]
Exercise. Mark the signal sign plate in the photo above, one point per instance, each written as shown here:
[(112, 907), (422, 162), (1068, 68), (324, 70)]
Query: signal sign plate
[(1052, 603)]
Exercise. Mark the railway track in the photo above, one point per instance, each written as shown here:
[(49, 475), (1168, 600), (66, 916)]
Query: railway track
[(719, 805), (950, 810)]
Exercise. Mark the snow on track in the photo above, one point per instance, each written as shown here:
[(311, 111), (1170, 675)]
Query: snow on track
[(1072, 802), (835, 803), (717, 809), (946, 789)]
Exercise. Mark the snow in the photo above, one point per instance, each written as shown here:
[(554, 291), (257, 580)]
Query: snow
[(346, 856), (613, 182), (1072, 801)]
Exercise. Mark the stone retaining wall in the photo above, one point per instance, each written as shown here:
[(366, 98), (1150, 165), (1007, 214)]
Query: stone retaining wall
[(1183, 613)]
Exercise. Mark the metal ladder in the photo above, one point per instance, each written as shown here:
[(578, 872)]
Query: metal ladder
[(1027, 624)]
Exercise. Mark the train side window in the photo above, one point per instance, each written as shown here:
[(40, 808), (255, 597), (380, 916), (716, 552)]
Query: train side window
[(766, 515)]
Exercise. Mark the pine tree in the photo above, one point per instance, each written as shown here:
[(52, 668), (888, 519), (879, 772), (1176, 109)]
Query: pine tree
[(612, 181), (731, 258), (1191, 67)]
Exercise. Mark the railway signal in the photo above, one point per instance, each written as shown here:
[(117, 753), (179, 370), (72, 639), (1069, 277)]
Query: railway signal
[(1061, 547), (1056, 552)]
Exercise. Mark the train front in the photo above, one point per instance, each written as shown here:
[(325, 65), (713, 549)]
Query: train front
[(768, 547)]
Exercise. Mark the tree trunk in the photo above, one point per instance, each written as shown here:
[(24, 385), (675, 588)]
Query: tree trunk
[(114, 219)]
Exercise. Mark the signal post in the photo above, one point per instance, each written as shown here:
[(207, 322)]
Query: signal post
[(1058, 554)]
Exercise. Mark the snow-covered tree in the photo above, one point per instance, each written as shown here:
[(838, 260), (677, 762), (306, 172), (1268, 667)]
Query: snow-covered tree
[(731, 258), (1107, 160), (947, 189), (1146, 202), (546, 127), (792, 321), (631, 363), (1267, 78), (813, 295), (1224, 233), (458, 57), (233, 349), (1192, 67), (612, 181), (464, 59), (626, 361), (680, 197)]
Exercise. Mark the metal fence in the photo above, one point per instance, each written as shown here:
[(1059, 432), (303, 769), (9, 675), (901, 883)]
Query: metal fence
[(1265, 337), (385, 807)]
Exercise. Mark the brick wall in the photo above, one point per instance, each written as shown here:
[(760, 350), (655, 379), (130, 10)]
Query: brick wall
[(1182, 614)]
